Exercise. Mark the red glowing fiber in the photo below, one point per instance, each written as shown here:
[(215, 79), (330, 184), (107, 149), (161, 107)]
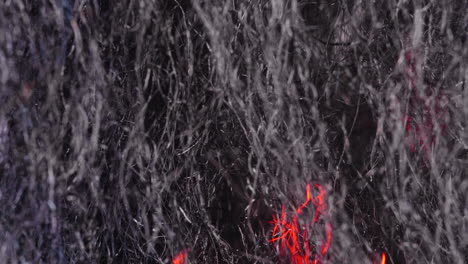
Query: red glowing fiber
[(424, 116), (293, 240), (180, 258)]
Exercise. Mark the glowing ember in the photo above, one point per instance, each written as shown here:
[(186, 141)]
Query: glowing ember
[(383, 258), (293, 239), (180, 258)]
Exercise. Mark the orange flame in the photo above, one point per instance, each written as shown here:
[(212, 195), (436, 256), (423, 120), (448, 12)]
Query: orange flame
[(295, 243), (383, 258), (180, 258)]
